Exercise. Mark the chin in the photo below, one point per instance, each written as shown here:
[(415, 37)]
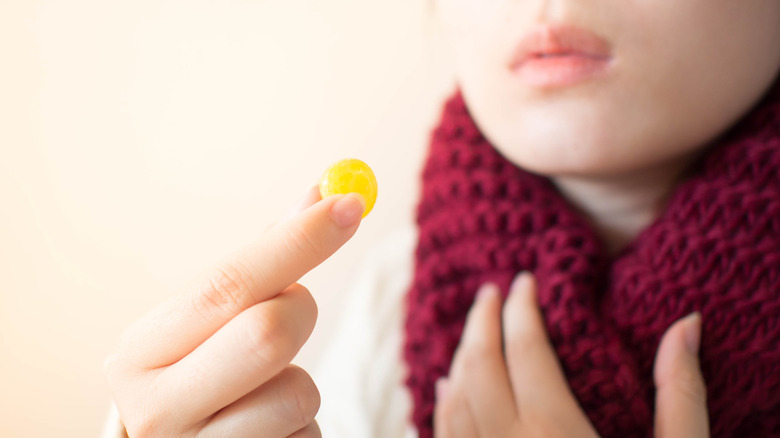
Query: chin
[(549, 166), (559, 137), (552, 150)]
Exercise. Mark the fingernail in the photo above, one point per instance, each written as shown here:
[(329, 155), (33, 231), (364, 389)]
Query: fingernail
[(692, 332), (441, 388), (486, 290), (348, 210), (522, 282)]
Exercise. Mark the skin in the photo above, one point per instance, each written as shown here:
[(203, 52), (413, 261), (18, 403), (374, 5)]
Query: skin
[(506, 381), (681, 73), (215, 359)]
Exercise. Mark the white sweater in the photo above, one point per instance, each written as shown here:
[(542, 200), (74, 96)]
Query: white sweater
[(361, 375)]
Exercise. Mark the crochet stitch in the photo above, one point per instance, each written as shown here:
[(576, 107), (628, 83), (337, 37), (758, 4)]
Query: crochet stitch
[(715, 248)]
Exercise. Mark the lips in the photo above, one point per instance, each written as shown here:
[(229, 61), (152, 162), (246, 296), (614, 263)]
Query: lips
[(560, 55)]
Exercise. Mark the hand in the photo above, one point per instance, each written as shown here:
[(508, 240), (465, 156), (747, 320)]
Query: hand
[(214, 360), (510, 384)]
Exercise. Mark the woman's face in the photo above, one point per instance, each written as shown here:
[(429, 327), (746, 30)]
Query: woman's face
[(670, 76)]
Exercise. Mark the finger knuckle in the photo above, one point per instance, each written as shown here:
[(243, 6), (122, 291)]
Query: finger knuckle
[(141, 430), (140, 411), (306, 306), (312, 430), (147, 424), (118, 370), (110, 366), (268, 336), (302, 399), (224, 290)]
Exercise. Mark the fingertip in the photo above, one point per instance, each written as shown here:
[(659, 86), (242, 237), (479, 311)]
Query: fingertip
[(311, 197), (486, 292), (361, 200), (521, 313), (681, 394), (523, 290), (678, 349), (692, 332), (348, 210), (480, 312), (314, 194), (524, 282)]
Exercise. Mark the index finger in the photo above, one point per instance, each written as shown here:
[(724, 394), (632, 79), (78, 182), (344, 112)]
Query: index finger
[(259, 272)]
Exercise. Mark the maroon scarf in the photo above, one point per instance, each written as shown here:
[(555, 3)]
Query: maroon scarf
[(715, 248)]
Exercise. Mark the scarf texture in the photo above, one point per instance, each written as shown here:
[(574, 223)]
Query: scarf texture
[(715, 248)]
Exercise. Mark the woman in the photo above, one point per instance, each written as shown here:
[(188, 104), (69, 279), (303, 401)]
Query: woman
[(581, 134)]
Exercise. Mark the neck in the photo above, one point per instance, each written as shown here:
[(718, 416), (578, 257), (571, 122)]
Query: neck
[(621, 206)]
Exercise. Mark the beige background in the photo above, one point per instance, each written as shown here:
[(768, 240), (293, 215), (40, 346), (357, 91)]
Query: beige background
[(141, 141)]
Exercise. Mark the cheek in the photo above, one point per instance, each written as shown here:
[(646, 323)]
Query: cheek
[(707, 62), (475, 33), (468, 16), (685, 71)]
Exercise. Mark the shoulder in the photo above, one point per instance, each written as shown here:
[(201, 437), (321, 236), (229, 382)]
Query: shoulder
[(361, 376), (388, 268)]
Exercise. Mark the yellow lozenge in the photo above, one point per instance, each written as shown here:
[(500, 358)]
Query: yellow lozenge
[(350, 176)]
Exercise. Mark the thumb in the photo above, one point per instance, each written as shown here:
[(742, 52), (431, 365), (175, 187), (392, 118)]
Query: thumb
[(681, 398)]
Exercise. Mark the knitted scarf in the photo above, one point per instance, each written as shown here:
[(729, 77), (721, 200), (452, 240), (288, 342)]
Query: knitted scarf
[(715, 248)]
